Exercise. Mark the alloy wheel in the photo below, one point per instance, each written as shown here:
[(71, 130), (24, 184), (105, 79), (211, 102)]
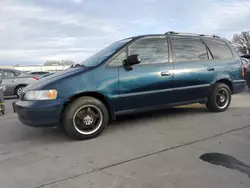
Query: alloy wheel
[(87, 119)]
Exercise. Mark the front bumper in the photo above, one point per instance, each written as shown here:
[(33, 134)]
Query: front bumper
[(239, 86), (38, 113)]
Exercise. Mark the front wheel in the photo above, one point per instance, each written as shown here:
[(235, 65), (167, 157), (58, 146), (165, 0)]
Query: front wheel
[(219, 99), (85, 118), (19, 90)]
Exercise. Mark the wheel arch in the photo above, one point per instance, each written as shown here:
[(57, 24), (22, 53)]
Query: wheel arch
[(227, 82), (96, 95), (17, 86)]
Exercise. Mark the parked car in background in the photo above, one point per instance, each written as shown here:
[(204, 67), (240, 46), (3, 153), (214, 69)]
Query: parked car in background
[(15, 81), (247, 56), (38, 73), (46, 75), (247, 78), (134, 75), (246, 64)]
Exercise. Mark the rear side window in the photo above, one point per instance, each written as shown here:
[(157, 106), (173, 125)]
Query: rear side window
[(219, 49), (188, 49), (151, 50), (7, 73), (17, 73)]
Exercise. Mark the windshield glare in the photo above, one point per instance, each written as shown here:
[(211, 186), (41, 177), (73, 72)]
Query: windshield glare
[(102, 55)]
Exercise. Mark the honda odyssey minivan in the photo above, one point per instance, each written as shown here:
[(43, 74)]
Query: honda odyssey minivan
[(134, 75)]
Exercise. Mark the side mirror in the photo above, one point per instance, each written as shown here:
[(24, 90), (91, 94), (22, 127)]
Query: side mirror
[(131, 60)]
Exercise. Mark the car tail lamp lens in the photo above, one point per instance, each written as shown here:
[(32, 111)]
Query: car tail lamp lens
[(242, 71), (36, 78)]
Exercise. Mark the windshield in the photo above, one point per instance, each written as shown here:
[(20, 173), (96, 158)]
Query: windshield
[(102, 55)]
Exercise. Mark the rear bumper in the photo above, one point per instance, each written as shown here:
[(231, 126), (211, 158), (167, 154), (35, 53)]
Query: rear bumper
[(238, 86), (247, 78), (38, 113)]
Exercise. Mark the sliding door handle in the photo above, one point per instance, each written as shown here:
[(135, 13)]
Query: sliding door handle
[(210, 69), (165, 73)]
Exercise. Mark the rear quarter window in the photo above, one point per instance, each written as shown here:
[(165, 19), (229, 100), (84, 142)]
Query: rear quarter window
[(219, 49), (16, 73)]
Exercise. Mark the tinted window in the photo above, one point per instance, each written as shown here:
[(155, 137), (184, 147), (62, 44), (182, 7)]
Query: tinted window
[(118, 59), (219, 49), (104, 54), (16, 73), (187, 49), (150, 50), (7, 73)]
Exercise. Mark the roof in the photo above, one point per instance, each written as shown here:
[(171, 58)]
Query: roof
[(190, 34), (172, 33)]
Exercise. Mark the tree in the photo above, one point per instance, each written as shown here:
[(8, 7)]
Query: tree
[(242, 42)]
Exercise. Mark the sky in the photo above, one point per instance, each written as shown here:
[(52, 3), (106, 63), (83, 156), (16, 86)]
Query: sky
[(34, 31)]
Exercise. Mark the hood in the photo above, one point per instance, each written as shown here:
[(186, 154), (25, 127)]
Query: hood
[(40, 84)]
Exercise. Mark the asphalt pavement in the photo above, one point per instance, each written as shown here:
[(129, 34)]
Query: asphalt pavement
[(152, 150)]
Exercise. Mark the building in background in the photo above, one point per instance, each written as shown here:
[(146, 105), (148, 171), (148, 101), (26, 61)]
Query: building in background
[(51, 66), (59, 63)]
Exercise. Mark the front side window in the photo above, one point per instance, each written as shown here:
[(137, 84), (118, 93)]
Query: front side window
[(151, 50), (118, 59), (188, 49), (104, 54), (219, 49)]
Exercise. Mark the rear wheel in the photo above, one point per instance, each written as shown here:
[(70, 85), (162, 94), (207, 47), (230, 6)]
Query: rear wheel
[(219, 99), (19, 90), (85, 118)]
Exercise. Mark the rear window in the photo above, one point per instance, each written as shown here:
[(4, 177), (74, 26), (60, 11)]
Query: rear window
[(219, 49)]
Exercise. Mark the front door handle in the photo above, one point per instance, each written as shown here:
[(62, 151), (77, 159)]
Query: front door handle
[(165, 73), (210, 69)]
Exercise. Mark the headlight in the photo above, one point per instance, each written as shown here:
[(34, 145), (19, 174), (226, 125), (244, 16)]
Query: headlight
[(41, 95)]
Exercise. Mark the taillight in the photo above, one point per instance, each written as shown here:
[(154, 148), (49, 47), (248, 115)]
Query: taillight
[(242, 71), (36, 78)]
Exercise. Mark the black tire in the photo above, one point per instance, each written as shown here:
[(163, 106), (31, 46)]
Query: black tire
[(69, 124), (212, 103), (17, 89)]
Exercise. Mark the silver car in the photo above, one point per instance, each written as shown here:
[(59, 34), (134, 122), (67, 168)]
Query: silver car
[(15, 81)]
